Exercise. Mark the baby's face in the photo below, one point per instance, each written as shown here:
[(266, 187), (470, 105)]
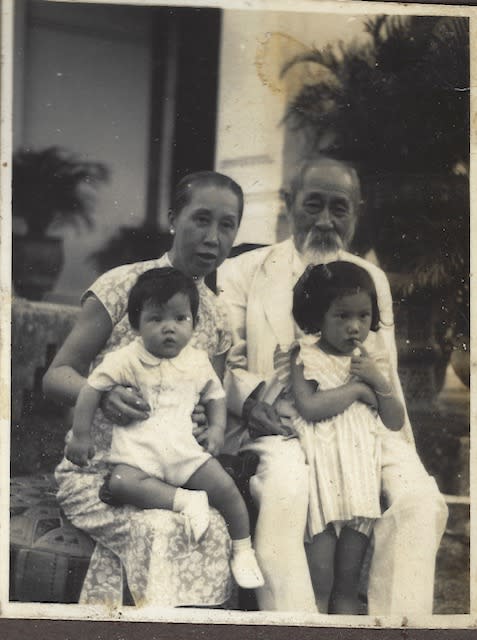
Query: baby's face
[(347, 322), (166, 329)]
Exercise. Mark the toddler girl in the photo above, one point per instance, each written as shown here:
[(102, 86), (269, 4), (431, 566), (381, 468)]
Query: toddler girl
[(172, 376), (343, 395)]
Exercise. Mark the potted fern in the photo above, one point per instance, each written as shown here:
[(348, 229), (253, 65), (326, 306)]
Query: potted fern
[(51, 188), (397, 106)]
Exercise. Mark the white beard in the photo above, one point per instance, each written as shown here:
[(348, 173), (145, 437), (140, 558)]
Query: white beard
[(326, 251)]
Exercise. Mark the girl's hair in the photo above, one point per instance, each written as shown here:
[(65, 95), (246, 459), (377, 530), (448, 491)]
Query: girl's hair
[(321, 284), (159, 286), (184, 189)]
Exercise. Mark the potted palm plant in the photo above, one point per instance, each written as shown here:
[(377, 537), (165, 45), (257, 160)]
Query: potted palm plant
[(51, 188), (397, 106)]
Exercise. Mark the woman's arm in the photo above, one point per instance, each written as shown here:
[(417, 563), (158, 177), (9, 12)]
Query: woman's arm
[(67, 373), (315, 405), (218, 362)]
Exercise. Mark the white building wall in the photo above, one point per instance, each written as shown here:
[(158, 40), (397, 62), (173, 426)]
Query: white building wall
[(252, 101)]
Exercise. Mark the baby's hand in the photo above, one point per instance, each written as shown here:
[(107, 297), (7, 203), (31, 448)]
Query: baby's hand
[(215, 439), (79, 450)]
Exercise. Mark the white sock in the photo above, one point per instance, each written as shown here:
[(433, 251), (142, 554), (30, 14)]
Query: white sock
[(194, 505), (241, 544), (181, 499)]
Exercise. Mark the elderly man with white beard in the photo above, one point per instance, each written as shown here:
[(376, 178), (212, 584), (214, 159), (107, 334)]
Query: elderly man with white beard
[(322, 205)]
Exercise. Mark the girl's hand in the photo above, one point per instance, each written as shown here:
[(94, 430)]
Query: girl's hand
[(366, 394), (79, 450), (215, 438), (122, 405), (365, 368)]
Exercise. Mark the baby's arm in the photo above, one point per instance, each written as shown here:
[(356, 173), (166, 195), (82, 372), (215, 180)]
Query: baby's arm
[(315, 405), (390, 407), (79, 447), (216, 411)]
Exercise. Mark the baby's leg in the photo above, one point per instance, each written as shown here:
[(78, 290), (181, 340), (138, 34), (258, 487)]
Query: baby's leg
[(350, 550), (224, 496), (129, 485), (321, 558)]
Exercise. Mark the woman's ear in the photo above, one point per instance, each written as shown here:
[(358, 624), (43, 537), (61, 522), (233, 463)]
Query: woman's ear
[(171, 219)]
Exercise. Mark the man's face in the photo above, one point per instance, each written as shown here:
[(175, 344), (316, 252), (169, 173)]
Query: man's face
[(322, 214)]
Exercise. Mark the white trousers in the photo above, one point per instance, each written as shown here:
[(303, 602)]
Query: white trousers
[(407, 536)]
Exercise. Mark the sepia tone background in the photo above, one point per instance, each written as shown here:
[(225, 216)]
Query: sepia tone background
[(138, 96)]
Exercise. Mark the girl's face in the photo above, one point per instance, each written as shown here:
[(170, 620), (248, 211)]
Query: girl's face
[(166, 329), (205, 230), (347, 321)]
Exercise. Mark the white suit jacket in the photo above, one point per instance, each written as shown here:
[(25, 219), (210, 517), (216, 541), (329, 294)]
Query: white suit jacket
[(257, 287)]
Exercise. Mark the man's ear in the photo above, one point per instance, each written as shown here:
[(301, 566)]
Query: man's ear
[(286, 196)]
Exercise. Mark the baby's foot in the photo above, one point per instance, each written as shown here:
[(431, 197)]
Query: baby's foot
[(197, 512), (245, 569)]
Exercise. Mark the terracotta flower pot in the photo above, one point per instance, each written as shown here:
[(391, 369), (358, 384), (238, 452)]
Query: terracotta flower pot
[(37, 263)]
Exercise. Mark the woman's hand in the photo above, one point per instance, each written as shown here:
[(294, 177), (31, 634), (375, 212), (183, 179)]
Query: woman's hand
[(262, 419), (364, 367), (200, 427), (122, 405), (78, 450)]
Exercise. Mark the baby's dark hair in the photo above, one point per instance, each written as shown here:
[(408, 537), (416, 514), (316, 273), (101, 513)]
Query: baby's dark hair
[(159, 286), (321, 284)]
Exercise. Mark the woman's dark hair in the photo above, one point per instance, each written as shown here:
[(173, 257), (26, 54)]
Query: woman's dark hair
[(184, 189), (321, 284), (158, 286)]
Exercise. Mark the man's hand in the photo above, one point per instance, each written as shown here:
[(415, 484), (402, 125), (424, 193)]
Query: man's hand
[(122, 405), (261, 419), (215, 439), (79, 450)]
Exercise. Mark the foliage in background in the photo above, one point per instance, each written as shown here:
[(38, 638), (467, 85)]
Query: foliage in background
[(398, 102), (53, 187), (398, 107)]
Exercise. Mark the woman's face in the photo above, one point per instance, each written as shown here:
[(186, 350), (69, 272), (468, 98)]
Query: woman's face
[(205, 230)]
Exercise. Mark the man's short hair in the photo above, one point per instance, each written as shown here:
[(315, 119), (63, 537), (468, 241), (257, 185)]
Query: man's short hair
[(296, 182)]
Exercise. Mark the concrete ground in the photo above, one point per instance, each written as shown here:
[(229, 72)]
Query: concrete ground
[(452, 582)]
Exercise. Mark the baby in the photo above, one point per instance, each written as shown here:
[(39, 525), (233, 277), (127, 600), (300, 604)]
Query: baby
[(152, 455)]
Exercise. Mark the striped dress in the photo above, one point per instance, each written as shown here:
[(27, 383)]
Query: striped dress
[(343, 452)]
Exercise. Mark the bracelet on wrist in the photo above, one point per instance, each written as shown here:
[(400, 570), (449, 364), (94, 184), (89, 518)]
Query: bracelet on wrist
[(387, 394)]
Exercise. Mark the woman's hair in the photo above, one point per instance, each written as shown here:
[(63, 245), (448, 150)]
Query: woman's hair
[(159, 286), (184, 189), (321, 284)]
